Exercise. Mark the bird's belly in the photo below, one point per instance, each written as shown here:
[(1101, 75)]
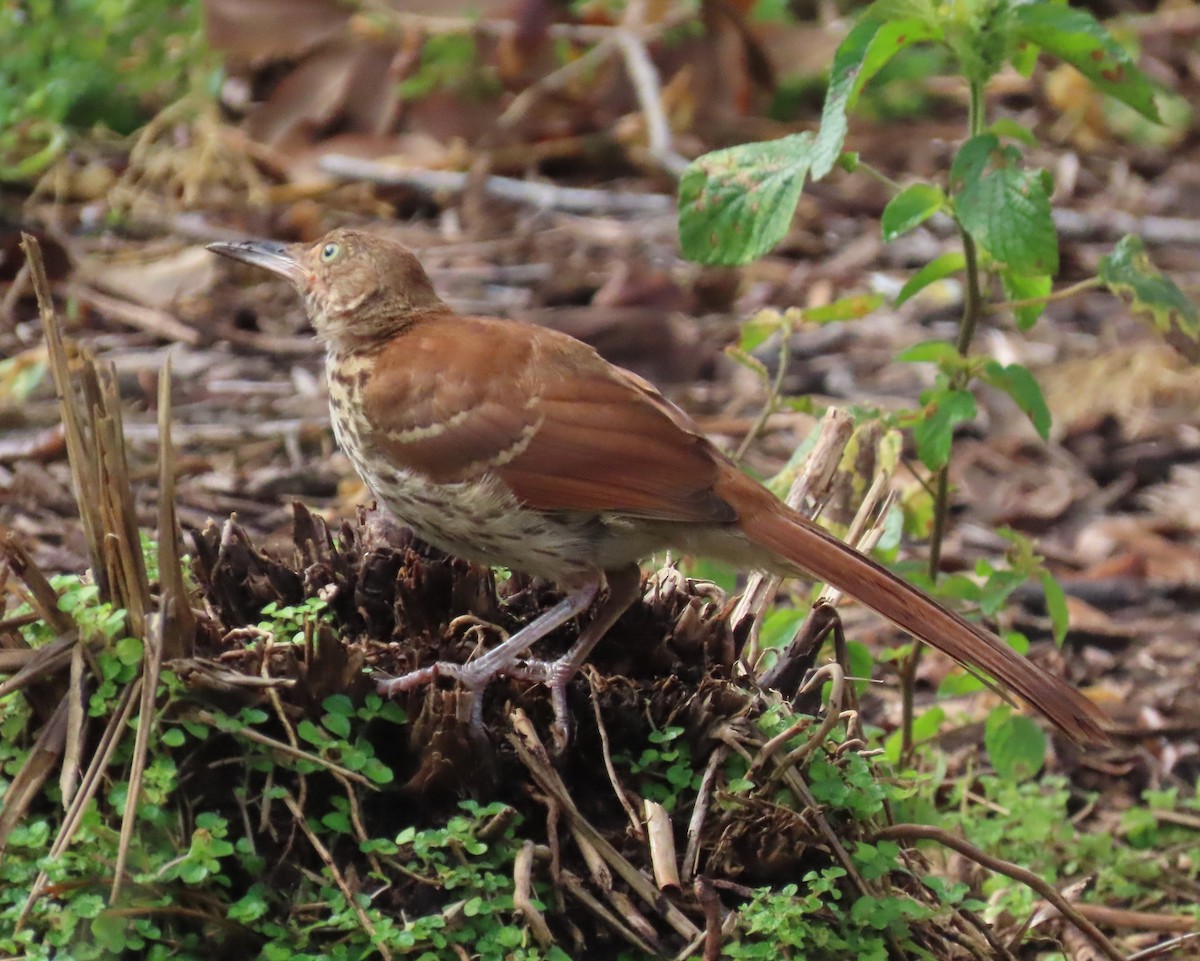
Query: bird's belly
[(479, 519)]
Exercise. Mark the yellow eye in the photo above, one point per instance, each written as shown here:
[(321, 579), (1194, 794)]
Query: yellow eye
[(330, 252)]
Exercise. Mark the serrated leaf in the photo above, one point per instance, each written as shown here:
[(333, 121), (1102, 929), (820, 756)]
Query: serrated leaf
[(937, 269), (1016, 381), (910, 208), (738, 203), (854, 307), (1129, 271), (935, 433), (869, 45), (1026, 287), (971, 160), (1007, 211), (1076, 36), (1016, 746), (1056, 606)]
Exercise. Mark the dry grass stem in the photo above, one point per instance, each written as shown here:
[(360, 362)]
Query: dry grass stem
[(662, 847)]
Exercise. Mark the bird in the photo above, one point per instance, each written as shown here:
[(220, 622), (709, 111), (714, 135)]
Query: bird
[(509, 444)]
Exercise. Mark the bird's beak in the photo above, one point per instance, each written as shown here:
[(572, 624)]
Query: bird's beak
[(275, 257)]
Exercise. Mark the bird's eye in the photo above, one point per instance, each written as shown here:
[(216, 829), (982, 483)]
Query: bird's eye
[(330, 252)]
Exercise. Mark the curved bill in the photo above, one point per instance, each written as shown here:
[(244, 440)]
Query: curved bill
[(267, 254)]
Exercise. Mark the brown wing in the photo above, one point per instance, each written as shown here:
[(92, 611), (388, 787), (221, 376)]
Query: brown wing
[(455, 397)]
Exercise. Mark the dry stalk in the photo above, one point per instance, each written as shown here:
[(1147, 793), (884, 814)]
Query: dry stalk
[(1162, 950), (923, 832), (152, 657), (711, 904), (334, 872), (808, 493), (26, 784), (178, 623), (597, 868), (72, 764), (662, 847), (691, 854), (523, 896), (288, 750), (577, 889), (644, 76), (833, 713), (533, 755), (41, 663), (89, 787), (577, 200), (634, 822), (631, 914)]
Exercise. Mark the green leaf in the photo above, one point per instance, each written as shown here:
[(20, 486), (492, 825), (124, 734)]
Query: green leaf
[(1025, 56), (780, 626), (1076, 36), (755, 330), (860, 663), (1128, 270), (1026, 287), (338, 704), (868, 47), (1007, 210), (1015, 744), (110, 931), (337, 724), (1016, 381), (854, 307), (934, 434), (971, 160), (940, 352), (1007, 127), (738, 203), (311, 733), (1056, 606), (128, 650), (910, 208), (931, 273)]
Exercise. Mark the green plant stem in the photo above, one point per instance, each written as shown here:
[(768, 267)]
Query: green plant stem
[(879, 175), (1062, 294), (975, 108), (973, 309), (772, 402)]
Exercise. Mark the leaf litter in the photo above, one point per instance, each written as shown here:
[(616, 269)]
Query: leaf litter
[(1108, 499)]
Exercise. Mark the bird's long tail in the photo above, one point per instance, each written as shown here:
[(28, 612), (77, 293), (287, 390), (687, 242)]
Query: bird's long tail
[(774, 526)]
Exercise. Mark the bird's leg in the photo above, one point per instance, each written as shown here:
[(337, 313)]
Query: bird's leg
[(475, 674), (623, 586)]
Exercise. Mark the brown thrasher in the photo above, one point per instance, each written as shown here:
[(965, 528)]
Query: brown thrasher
[(510, 444)]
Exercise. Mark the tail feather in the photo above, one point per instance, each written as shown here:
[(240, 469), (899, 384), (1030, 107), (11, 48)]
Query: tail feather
[(808, 547)]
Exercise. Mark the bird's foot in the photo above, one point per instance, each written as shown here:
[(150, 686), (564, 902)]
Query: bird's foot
[(475, 675), (556, 675), (472, 681)]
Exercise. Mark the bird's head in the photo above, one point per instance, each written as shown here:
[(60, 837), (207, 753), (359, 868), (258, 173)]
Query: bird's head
[(358, 288)]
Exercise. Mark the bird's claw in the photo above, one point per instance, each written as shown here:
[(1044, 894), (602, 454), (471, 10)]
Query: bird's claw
[(554, 674)]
